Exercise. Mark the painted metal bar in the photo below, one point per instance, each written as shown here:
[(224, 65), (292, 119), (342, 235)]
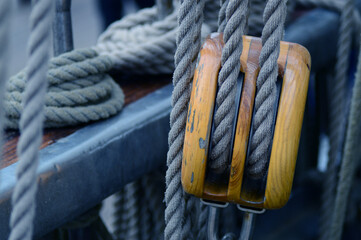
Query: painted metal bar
[(62, 28)]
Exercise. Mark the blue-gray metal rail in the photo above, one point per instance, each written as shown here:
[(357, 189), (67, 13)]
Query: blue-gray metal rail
[(80, 170)]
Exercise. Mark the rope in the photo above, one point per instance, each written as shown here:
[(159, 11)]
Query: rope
[(236, 20), (131, 211), (118, 223), (23, 197), (79, 91), (222, 15), (255, 21), (154, 196), (140, 43), (274, 17), (185, 57), (350, 158), (5, 8), (337, 116)]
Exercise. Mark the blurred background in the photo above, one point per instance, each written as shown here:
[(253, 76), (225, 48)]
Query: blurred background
[(89, 18)]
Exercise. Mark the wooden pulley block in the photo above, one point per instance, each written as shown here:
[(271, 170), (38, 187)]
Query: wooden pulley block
[(235, 185)]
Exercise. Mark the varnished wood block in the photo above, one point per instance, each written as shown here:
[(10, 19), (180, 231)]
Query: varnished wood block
[(294, 68)]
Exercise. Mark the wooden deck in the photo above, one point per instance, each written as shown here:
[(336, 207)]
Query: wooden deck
[(134, 89)]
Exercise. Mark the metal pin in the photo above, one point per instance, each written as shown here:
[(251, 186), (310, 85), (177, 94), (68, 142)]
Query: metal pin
[(246, 231), (212, 227), (62, 28)]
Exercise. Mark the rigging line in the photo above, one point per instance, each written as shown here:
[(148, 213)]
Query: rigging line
[(5, 10), (274, 17), (236, 20), (351, 158), (337, 116), (184, 61), (31, 122)]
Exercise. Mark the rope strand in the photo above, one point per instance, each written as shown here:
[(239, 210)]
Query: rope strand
[(5, 9), (31, 122), (350, 159), (274, 18), (337, 117), (182, 76), (236, 20)]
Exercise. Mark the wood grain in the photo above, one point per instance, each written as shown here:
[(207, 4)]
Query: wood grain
[(199, 119), (133, 87), (249, 65), (294, 67)]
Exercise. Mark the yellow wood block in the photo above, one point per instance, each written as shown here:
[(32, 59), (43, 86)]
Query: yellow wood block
[(294, 67)]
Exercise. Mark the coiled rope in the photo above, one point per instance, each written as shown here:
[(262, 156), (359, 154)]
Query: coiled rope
[(118, 223), (31, 122), (274, 18), (79, 91)]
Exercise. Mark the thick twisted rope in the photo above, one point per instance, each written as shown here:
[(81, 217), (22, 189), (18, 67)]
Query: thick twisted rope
[(5, 6), (79, 91), (141, 43), (222, 15), (154, 196), (350, 159), (185, 57), (337, 116), (118, 223), (336, 5), (131, 211), (23, 198), (236, 20), (274, 18), (189, 224)]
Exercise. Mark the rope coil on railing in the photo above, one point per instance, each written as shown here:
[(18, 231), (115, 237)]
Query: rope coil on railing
[(79, 91)]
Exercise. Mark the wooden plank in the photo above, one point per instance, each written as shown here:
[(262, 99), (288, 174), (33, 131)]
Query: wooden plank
[(134, 88)]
